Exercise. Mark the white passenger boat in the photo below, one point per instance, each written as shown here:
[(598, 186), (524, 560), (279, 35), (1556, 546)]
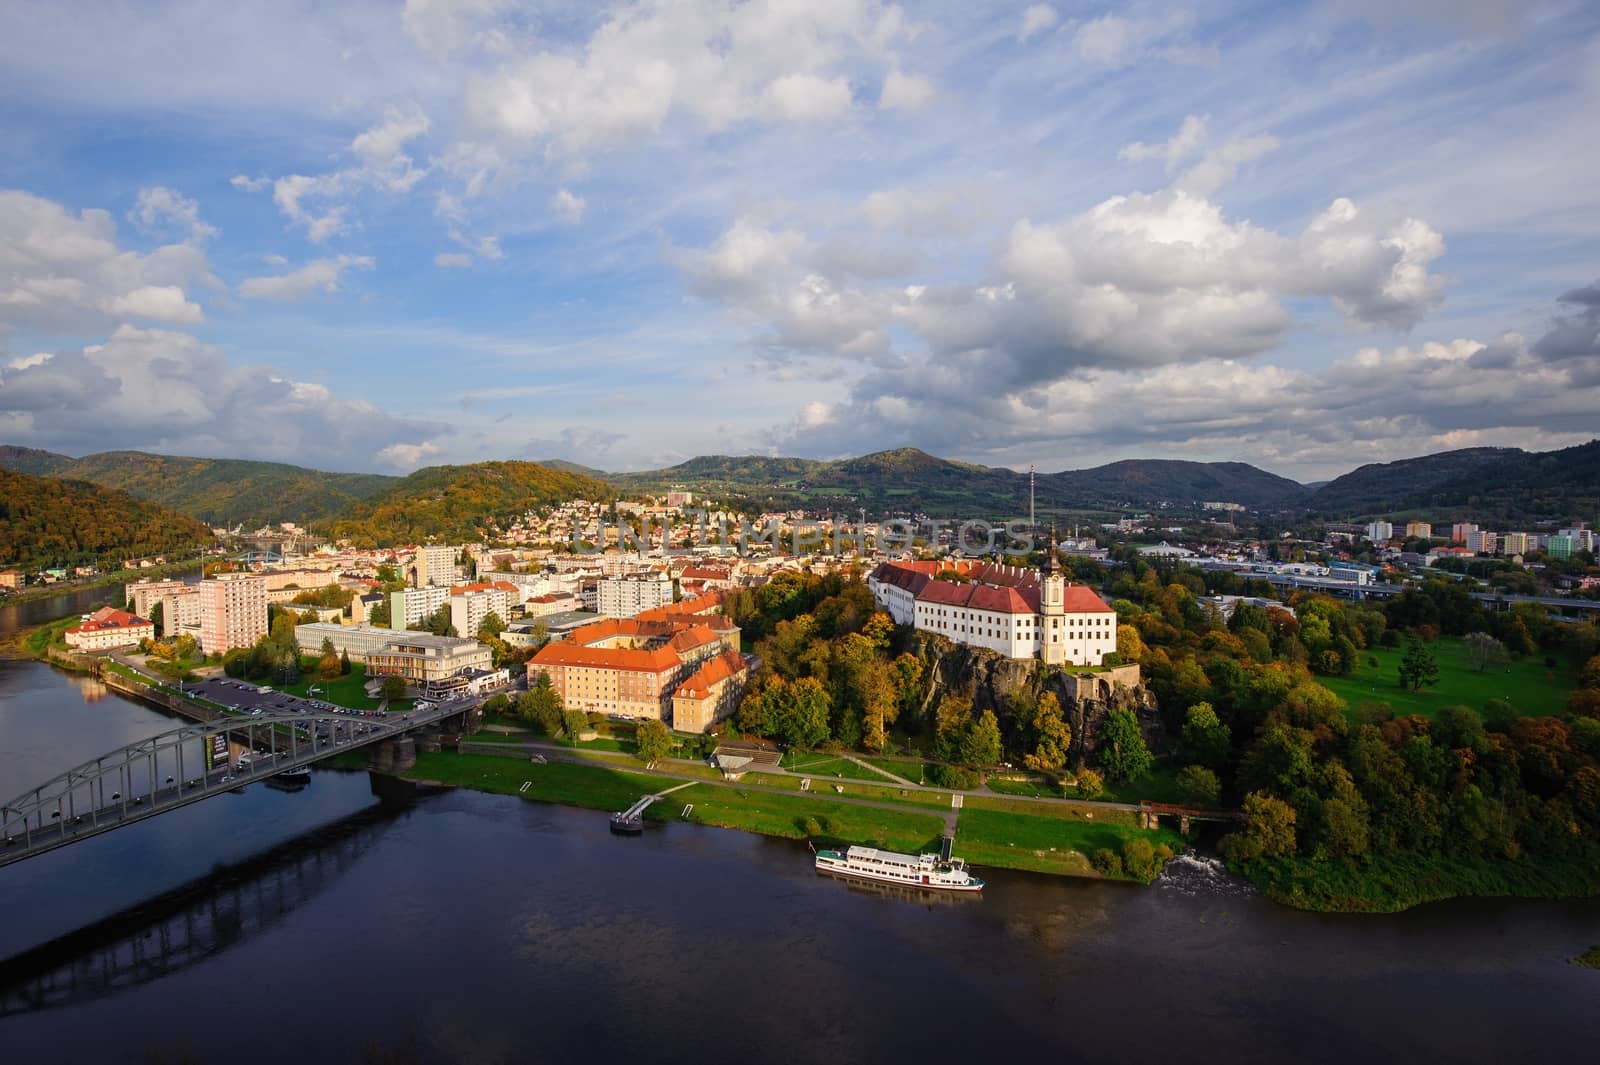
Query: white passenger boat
[(912, 870)]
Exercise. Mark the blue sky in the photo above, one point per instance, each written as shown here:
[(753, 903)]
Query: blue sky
[(388, 235)]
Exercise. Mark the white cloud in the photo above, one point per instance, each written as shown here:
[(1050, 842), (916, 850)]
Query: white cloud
[(159, 206), (246, 183), (805, 96), (319, 275), (164, 303), (905, 92), (452, 260), (408, 456), (380, 144), (569, 206), (63, 273), (167, 391), (443, 26), (1038, 18), (1188, 140)]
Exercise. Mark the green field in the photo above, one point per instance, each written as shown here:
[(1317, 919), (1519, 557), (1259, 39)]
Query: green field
[(789, 816), (348, 691), (1037, 789), (596, 787), (821, 764), (1047, 844), (1527, 684), (1158, 785)]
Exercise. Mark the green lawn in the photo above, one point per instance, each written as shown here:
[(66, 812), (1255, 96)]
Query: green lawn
[(349, 691), (593, 786), (999, 837), (1033, 788), (900, 767), (822, 764), (788, 816), (1530, 687), (1158, 785)]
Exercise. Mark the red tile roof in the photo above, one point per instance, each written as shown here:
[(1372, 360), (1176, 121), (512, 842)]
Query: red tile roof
[(107, 619), (698, 686), (660, 660), (981, 597)]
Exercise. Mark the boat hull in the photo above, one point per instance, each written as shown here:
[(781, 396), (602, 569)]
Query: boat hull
[(921, 882)]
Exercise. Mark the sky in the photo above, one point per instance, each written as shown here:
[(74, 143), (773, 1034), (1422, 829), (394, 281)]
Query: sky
[(379, 236)]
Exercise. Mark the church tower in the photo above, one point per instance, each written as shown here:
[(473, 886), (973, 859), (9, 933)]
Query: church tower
[(1052, 597)]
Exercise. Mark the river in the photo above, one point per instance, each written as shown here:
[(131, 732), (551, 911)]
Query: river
[(462, 927)]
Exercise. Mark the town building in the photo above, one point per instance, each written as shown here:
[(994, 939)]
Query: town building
[(107, 629), (144, 595), (1419, 530), (233, 612), (1560, 546), (632, 666), (470, 604), (1461, 530), (410, 607), (10, 579), (1515, 543), (433, 565), (356, 640), (1380, 532), (1480, 542), (181, 612), (1014, 611), (625, 597), (550, 603), (711, 693), (427, 661), (1583, 538)]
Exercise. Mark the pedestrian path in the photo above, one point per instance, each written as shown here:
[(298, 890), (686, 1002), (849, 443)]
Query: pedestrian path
[(864, 764)]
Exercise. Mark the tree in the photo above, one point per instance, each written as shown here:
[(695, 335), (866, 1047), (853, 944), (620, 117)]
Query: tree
[(1052, 736), (1123, 754), (155, 616), (1268, 827), (1090, 785), (541, 705), (980, 747), (1206, 740), (438, 622), (1139, 858), (652, 741), (344, 662), (1199, 785), (1483, 650), (1418, 667), (394, 687), (804, 717), (491, 626), (573, 722)]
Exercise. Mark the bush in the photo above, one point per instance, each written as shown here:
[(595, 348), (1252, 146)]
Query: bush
[(1106, 862), (954, 776), (811, 828), (1089, 784), (1139, 859)]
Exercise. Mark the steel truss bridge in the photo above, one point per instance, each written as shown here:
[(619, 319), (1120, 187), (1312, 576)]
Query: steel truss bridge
[(173, 769), (189, 924)]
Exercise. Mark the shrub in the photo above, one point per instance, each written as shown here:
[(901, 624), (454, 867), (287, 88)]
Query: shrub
[(1139, 858), (954, 776), (1089, 784), (1106, 862)]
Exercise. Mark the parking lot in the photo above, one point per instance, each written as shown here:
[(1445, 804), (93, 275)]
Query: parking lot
[(251, 700)]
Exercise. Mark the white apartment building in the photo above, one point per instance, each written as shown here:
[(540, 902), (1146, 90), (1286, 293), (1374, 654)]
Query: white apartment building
[(181, 612), (469, 606), (146, 594), (1481, 542), (1380, 532), (408, 608), (624, 597)]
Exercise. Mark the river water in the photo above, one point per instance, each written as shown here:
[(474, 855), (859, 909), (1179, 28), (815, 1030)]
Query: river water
[(459, 927)]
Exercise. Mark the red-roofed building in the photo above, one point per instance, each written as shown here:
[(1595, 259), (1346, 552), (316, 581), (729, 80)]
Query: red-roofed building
[(711, 693), (1012, 610), (632, 666), (109, 628)]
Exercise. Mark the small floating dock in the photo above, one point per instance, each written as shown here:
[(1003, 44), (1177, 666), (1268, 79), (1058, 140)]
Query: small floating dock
[(630, 822)]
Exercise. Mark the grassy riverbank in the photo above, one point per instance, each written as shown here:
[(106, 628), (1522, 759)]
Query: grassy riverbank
[(1391, 883), (1002, 833)]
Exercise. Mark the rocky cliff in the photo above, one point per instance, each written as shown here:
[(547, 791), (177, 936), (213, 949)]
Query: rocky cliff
[(987, 678)]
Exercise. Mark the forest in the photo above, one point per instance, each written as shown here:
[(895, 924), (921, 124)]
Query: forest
[(49, 522)]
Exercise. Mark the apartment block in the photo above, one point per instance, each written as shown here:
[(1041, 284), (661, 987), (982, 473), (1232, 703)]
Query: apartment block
[(1419, 530), (408, 608), (434, 565), (1461, 530), (146, 594), (1380, 532), (625, 597), (233, 611)]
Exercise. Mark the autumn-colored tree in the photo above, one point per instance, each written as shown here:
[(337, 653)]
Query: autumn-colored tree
[(1052, 736)]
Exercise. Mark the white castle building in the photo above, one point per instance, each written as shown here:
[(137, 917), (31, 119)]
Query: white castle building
[(1018, 612)]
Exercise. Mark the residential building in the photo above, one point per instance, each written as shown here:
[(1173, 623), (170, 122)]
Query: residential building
[(552, 603), (146, 594), (181, 612), (1380, 532), (624, 597), (470, 604), (410, 607), (1515, 543), (10, 579), (107, 629), (434, 565), (1481, 542), (711, 693), (233, 612), (424, 659), (1013, 611), (1419, 530), (1583, 538), (1559, 546), (1461, 530), (680, 499), (631, 667)]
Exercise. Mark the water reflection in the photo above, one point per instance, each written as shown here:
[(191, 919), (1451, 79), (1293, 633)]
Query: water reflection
[(191, 923)]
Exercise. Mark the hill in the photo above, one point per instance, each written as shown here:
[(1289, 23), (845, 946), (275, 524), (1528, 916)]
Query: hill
[(218, 491), (454, 504), (1148, 481), (32, 461), (906, 479), (1523, 487), (1380, 487), (47, 521), (576, 467)]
